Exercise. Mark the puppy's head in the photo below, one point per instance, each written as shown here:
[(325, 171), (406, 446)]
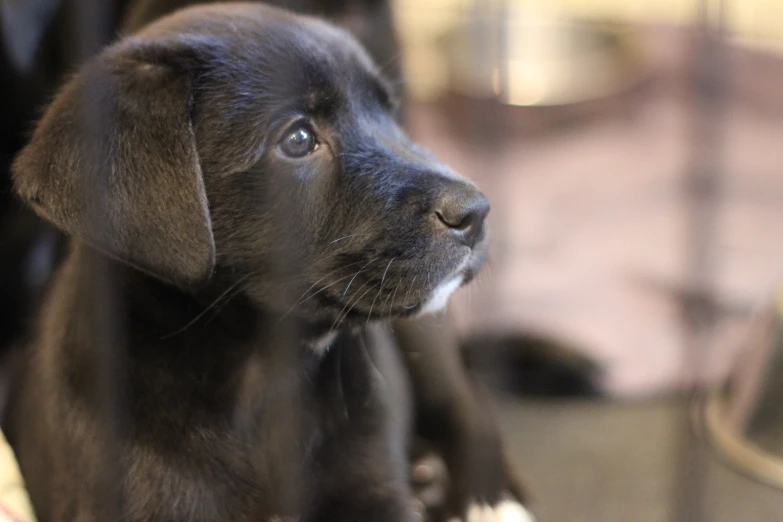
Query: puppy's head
[(248, 142)]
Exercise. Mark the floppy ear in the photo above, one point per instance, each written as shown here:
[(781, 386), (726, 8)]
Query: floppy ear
[(114, 162)]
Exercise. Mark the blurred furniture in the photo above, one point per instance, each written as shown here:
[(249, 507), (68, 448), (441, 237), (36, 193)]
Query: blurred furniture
[(756, 24), (744, 417)]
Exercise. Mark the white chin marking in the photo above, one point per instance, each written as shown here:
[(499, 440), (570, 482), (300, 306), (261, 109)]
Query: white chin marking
[(441, 295), (322, 344), (506, 511)]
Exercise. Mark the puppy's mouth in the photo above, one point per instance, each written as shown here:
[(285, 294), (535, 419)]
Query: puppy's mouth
[(405, 292)]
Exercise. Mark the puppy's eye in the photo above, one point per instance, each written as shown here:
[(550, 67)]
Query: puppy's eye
[(298, 141)]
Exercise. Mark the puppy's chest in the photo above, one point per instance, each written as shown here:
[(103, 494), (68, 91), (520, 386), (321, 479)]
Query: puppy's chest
[(329, 402), (348, 389), (295, 431)]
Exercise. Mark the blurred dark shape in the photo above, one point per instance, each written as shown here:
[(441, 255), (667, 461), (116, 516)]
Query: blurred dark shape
[(530, 365), (40, 42)]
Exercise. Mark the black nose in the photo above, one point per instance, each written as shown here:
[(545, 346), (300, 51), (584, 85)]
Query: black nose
[(463, 211)]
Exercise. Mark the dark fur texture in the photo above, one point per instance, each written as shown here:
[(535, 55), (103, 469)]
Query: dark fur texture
[(176, 374)]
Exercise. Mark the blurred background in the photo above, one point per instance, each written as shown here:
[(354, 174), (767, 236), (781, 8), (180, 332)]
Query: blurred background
[(582, 120), (633, 154)]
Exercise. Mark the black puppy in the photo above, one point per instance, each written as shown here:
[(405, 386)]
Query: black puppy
[(247, 216), (453, 422)]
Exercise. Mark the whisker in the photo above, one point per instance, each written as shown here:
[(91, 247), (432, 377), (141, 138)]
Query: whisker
[(388, 62), (346, 237), (225, 302), (302, 298), (386, 301), (347, 304), (387, 269), (380, 289), (408, 294), (391, 308), (305, 277), (398, 83), (208, 308), (357, 273), (352, 302), (303, 301), (357, 302)]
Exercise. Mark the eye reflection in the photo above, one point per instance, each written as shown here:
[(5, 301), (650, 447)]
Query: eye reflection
[(298, 141)]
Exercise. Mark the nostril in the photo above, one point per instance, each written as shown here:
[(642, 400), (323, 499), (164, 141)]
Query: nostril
[(457, 221), (467, 222), (464, 217), (460, 223)]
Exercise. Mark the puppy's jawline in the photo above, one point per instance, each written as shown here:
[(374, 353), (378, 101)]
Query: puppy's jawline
[(436, 303)]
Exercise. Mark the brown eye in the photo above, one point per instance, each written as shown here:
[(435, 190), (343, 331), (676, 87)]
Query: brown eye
[(298, 141)]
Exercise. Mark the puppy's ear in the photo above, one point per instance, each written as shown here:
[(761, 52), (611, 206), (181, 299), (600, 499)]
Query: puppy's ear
[(114, 162)]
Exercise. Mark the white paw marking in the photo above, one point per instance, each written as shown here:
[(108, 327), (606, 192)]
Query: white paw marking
[(510, 511), (506, 511), (440, 296)]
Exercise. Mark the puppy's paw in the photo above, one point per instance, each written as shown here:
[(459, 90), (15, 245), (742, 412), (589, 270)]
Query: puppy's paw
[(504, 511), (430, 486), (439, 499)]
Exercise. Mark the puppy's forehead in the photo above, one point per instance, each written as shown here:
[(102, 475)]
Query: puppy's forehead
[(257, 67), (257, 34)]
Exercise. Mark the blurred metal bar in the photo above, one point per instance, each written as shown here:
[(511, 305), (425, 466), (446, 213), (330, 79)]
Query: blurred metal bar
[(91, 24), (701, 190)]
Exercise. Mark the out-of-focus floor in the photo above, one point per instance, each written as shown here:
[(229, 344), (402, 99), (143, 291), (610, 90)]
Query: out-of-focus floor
[(618, 462), (589, 220)]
